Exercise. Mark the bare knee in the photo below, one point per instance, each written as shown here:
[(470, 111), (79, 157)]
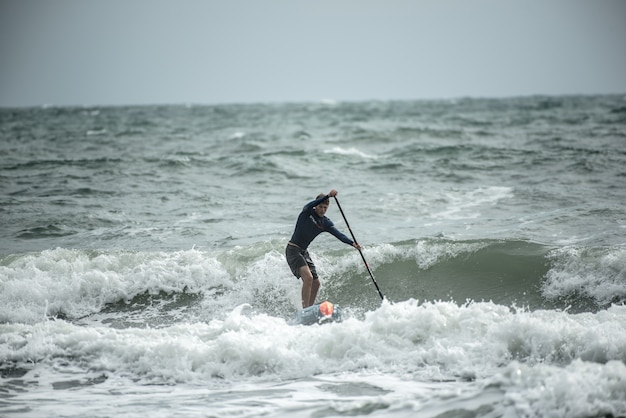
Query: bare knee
[(306, 275)]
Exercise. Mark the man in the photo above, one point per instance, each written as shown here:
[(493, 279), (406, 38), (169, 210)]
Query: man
[(311, 222)]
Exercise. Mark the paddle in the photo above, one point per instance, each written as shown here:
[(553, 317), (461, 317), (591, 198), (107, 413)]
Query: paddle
[(360, 252)]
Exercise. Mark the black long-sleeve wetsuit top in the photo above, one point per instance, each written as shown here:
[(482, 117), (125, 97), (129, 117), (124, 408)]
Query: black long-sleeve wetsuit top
[(310, 225)]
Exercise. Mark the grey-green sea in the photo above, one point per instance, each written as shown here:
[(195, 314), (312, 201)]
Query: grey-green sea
[(142, 267)]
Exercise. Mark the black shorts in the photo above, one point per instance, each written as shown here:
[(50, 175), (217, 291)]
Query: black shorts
[(296, 258)]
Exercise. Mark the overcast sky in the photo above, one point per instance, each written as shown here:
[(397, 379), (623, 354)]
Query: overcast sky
[(110, 52)]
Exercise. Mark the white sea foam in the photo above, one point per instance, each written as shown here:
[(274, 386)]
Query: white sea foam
[(76, 283), (598, 273), (467, 204), (433, 341), (238, 135), (579, 389), (428, 254), (350, 152), (520, 363)]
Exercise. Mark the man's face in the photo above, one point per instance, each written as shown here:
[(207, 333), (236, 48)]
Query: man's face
[(321, 209)]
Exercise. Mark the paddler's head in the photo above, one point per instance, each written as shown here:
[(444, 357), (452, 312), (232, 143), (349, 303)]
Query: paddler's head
[(321, 208)]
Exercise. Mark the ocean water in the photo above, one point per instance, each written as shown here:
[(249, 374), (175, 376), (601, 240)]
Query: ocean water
[(142, 269)]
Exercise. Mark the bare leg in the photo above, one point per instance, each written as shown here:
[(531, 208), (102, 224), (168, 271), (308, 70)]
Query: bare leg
[(309, 286), (314, 288)]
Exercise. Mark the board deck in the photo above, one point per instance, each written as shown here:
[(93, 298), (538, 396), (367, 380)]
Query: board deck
[(318, 314)]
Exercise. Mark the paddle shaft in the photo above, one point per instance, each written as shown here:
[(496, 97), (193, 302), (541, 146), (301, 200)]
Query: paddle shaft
[(360, 252)]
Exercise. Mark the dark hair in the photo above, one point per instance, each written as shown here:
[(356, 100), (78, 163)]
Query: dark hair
[(319, 196)]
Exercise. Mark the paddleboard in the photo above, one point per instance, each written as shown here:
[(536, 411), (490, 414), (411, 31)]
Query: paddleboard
[(318, 314)]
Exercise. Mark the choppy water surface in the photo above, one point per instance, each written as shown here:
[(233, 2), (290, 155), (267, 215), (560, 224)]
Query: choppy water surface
[(142, 268)]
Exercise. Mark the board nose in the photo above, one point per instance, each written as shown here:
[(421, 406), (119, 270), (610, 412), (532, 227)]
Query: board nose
[(326, 308)]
